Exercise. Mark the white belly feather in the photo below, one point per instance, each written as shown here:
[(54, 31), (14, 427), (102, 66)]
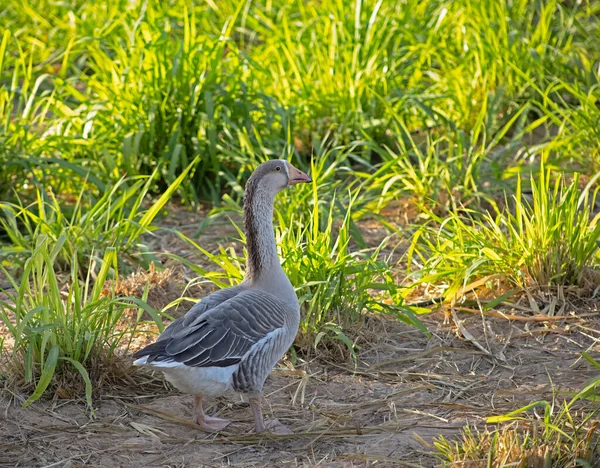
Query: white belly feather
[(204, 381)]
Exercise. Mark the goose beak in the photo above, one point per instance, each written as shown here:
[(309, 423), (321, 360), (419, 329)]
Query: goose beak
[(296, 176)]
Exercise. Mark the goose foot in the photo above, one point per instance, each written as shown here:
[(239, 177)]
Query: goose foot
[(212, 424), (277, 427), (208, 423), (272, 425)]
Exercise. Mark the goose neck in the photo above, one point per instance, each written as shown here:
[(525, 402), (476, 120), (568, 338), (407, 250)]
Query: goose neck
[(260, 236)]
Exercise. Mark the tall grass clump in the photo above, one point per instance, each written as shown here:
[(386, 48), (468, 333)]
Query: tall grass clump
[(151, 88), (575, 112), (446, 168), (26, 102), (550, 240), (56, 325), (117, 219), (332, 69), (39, 141), (167, 91), (338, 278)]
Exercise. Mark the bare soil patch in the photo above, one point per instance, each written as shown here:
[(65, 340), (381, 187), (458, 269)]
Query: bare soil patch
[(404, 384)]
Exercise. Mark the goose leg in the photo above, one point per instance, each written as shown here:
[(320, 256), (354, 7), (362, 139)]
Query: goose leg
[(274, 425), (207, 423)]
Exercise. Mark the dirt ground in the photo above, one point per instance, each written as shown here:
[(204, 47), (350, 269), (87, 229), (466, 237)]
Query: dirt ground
[(405, 388)]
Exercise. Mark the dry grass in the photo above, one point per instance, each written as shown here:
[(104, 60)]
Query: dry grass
[(160, 286), (519, 445)]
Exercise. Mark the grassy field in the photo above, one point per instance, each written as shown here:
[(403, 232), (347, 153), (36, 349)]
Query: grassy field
[(445, 255)]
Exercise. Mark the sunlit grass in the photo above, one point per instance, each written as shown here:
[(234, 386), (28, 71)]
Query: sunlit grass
[(121, 88), (539, 434), (53, 326), (116, 220), (548, 241)]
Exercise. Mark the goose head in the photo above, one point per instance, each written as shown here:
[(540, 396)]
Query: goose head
[(275, 175)]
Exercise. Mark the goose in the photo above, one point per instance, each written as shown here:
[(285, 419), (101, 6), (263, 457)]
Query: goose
[(230, 341)]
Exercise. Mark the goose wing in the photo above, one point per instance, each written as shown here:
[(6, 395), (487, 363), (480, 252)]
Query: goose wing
[(198, 310), (219, 336)]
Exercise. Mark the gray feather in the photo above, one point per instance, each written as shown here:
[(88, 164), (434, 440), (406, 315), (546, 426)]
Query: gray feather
[(221, 332)]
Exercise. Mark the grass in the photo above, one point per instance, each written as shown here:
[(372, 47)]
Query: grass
[(443, 170), (564, 435), (549, 241), (115, 220), (523, 445), (53, 326), (123, 90), (574, 110), (59, 308)]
